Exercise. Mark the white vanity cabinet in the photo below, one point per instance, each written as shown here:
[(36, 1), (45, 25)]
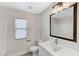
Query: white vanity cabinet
[(46, 49)]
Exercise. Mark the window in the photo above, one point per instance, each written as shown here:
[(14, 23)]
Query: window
[(20, 28)]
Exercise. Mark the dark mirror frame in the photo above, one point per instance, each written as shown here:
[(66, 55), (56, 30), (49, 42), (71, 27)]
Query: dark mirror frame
[(74, 26)]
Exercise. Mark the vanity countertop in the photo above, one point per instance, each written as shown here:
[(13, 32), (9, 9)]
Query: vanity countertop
[(64, 51)]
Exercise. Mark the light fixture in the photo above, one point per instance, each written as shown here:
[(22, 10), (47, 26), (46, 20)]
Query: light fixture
[(67, 4), (61, 6)]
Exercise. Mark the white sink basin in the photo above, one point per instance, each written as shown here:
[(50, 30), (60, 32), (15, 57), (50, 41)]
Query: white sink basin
[(56, 49)]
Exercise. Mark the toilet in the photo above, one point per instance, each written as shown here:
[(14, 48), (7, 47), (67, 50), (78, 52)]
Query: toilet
[(34, 49)]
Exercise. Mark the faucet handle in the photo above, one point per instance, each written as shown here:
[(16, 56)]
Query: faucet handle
[(56, 41)]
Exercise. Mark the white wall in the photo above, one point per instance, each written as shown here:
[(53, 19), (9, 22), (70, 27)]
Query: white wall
[(37, 27), (45, 30), (8, 44), (44, 24)]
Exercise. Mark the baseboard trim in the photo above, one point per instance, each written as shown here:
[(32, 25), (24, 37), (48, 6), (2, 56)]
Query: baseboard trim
[(19, 53), (3, 52)]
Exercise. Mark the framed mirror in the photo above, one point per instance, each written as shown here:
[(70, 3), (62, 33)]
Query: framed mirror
[(63, 24)]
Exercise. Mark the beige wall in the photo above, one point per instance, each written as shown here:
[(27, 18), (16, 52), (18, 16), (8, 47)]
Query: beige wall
[(8, 44), (45, 30)]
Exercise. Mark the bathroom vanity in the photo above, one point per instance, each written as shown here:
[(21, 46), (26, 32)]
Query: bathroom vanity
[(63, 25), (46, 49)]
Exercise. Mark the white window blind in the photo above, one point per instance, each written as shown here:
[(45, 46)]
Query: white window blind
[(20, 28)]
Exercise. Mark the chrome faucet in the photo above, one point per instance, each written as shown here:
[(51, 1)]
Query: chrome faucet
[(56, 41)]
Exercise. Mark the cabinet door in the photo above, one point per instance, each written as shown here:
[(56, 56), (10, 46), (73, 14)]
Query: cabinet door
[(43, 52)]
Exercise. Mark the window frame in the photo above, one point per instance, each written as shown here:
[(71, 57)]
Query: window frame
[(20, 28)]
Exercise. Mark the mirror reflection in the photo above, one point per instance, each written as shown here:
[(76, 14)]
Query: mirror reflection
[(62, 23)]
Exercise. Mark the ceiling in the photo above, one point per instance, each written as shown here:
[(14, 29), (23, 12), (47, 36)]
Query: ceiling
[(33, 7)]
